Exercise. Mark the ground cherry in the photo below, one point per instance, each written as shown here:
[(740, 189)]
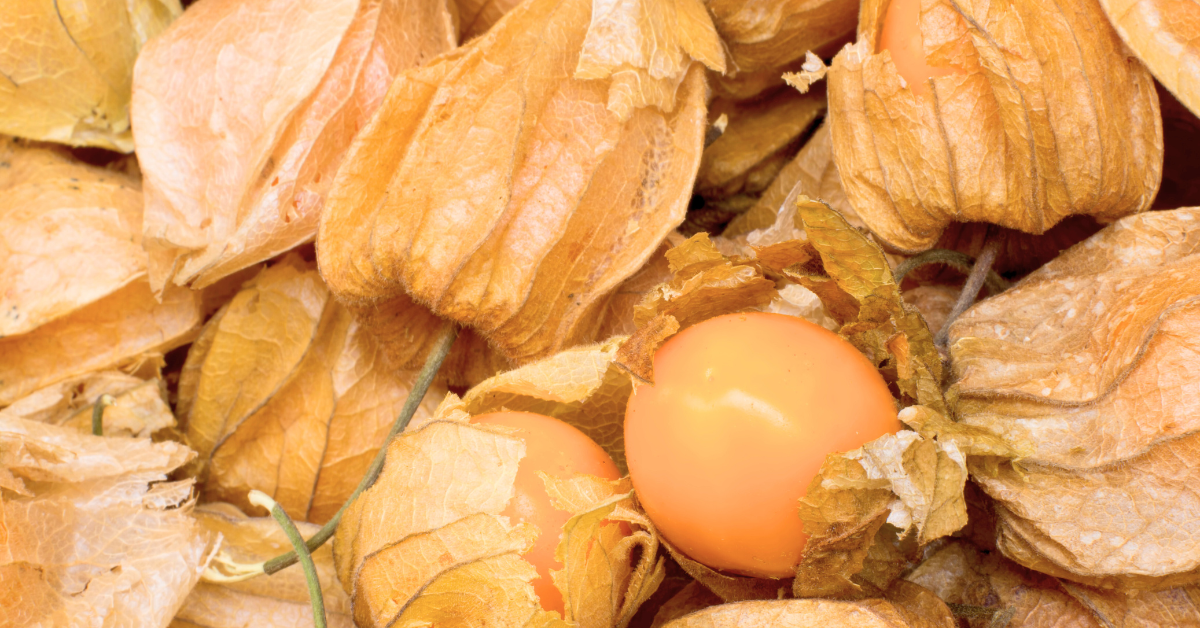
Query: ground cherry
[(743, 410), (558, 449), (902, 36)]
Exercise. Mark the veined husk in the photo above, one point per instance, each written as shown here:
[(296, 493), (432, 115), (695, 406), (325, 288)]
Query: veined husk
[(769, 34), (1090, 361), (139, 406), (91, 533), (511, 185), (427, 543), (66, 69), (1163, 33), (243, 112), (284, 392), (280, 600), (1049, 117), (475, 17)]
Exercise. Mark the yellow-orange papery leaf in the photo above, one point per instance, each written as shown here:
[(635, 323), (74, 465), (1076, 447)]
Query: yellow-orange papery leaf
[(243, 111), (1163, 34), (276, 601), (70, 234), (1046, 116), (502, 190), (90, 533), (770, 34), (139, 407), (66, 68), (1090, 361), (284, 393)]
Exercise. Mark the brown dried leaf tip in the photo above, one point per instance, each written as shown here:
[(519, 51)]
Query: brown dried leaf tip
[(243, 113), (427, 542), (512, 184), (1089, 363), (1044, 115)]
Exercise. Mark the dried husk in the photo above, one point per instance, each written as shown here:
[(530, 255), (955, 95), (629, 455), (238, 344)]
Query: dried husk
[(1049, 116), (243, 112), (765, 35), (477, 191), (475, 17), (276, 601), (960, 573), (285, 393), (90, 534), (1163, 34), (756, 143), (1090, 362), (906, 605), (139, 406), (426, 543), (67, 68)]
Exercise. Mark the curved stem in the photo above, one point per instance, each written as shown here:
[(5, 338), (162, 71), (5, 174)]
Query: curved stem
[(420, 387), (98, 414), (954, 259), (315, 597), (979, 272)]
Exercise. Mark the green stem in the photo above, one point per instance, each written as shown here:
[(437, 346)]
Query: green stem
[(420, 387), (315, 597), (958, 261), (983, 266), (98, 414)]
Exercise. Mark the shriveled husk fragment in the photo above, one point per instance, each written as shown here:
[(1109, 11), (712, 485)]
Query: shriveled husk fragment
[(961, 574), (756, 142), (426, 543), (70, 234), (1090, 361), (765, 35), (905, 606), (67, 68), (478, 190), (277, 601), (90, 534), (1049, 116), (243, 111), (284, 392), (1163, 34), (138, 407)]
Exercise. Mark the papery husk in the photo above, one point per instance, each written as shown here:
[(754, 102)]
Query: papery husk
[(70, 234), (138, 407), (276, 601), (959, 573), (1163, 34), (906, 606), (243, 112), (285, 393), (90, 533), (427, 542), (67, 68), (756, 141), (1049, 117), (765, 35), (475, 17), (1089, 362), (476, 190)]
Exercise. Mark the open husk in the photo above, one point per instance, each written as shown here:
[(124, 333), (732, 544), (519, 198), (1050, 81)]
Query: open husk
[(1090, 362), (427, 542), (1048, 116), (511, 185), (243, 111)]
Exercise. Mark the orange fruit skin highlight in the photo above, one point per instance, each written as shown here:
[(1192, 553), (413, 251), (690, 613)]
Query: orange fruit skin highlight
[(558, 449), (743, 410), (902, 36)]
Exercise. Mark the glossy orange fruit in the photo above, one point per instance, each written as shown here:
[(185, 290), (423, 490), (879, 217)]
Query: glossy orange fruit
[(558, 449), (902, 36), (743, 410)]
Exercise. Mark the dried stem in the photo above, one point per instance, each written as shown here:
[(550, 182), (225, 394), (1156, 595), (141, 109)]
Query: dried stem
[(979, 272), (98, 414), (954, 259), (420, 387), (315, 597)]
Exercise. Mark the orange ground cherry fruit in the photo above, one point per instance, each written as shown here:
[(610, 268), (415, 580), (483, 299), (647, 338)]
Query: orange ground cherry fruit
[(743, 410), (558, 449), (902, 36)]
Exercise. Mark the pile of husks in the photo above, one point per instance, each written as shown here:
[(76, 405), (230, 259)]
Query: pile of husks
[(231, 234)]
